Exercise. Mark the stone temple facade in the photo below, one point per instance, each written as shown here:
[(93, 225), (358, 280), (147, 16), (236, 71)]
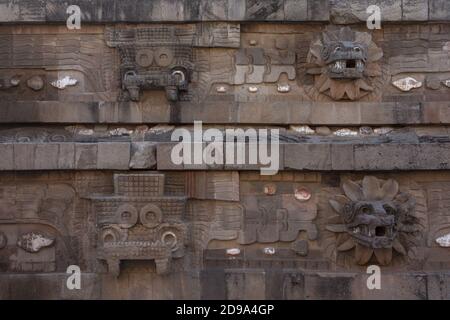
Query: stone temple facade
[(87, 177)]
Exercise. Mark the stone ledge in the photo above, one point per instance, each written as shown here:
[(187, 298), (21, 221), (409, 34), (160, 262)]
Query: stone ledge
[(308, 285), (293, 156), (142, 11), (277, 113)]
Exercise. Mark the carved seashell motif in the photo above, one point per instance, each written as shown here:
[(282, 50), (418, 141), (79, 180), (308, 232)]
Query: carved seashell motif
[(444, 241), (407, 84), (64, 82), (36, 83), (302, 129), (233, 251), (283, 88), (345, 133), (33, 242)]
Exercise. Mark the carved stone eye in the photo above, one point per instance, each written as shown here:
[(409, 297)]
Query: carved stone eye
[(357, 49), (366, 209), (127, 216), (389, 210), (337, 49)]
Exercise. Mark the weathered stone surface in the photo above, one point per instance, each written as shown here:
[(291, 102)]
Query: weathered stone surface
[(415, 10), (344, 12), (7, 158), (439, 10), (199, 10), (247, 284), (86, 155), (307, 156), (46, 156), (342, 157), (88, 177), (143, 155), (113, 155)]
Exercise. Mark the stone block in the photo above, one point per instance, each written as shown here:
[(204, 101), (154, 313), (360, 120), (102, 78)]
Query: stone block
[(386, 157), (345, 12), (339, 113), (167, 10), (213, 10), (164, 159), (66, 159), (9, 11), (213, 284), (113, 155), (296, 10), (307, 156), (263, 10), (294, 286), (7, 156), (90, 287), (342, 157), (24, 156), (377, 113), (405, 286), (86, 156), (319, 10), (143, 155), (248, 284), (329, 286), (46, 156), (439, 10), (433, 156), (415, 10), (236, 10)]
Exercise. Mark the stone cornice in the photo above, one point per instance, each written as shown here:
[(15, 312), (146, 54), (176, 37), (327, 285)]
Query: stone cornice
[(144, 11), (348, 156), (228, 112)]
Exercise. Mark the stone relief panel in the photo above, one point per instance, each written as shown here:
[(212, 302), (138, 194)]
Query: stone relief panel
[(35, 224), (139, 222), (272, 225), (162, 57), (153, 58), (291, 220), (276, 218), (50, 64), (221, 63)]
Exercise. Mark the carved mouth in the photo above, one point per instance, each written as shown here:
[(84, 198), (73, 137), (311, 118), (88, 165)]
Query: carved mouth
[(341, 66), (378, 236)]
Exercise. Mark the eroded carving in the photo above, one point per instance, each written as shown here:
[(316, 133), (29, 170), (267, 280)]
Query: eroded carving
[(139, 222), (64, 82), (345, 64), (3, 240), (258, 65), (6, 83), (407, 84), (34, 241), (276, 218), (36, 83), (373, 215)]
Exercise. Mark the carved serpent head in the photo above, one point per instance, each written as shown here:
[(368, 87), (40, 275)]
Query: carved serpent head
[(372, 214), (345, 64)]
